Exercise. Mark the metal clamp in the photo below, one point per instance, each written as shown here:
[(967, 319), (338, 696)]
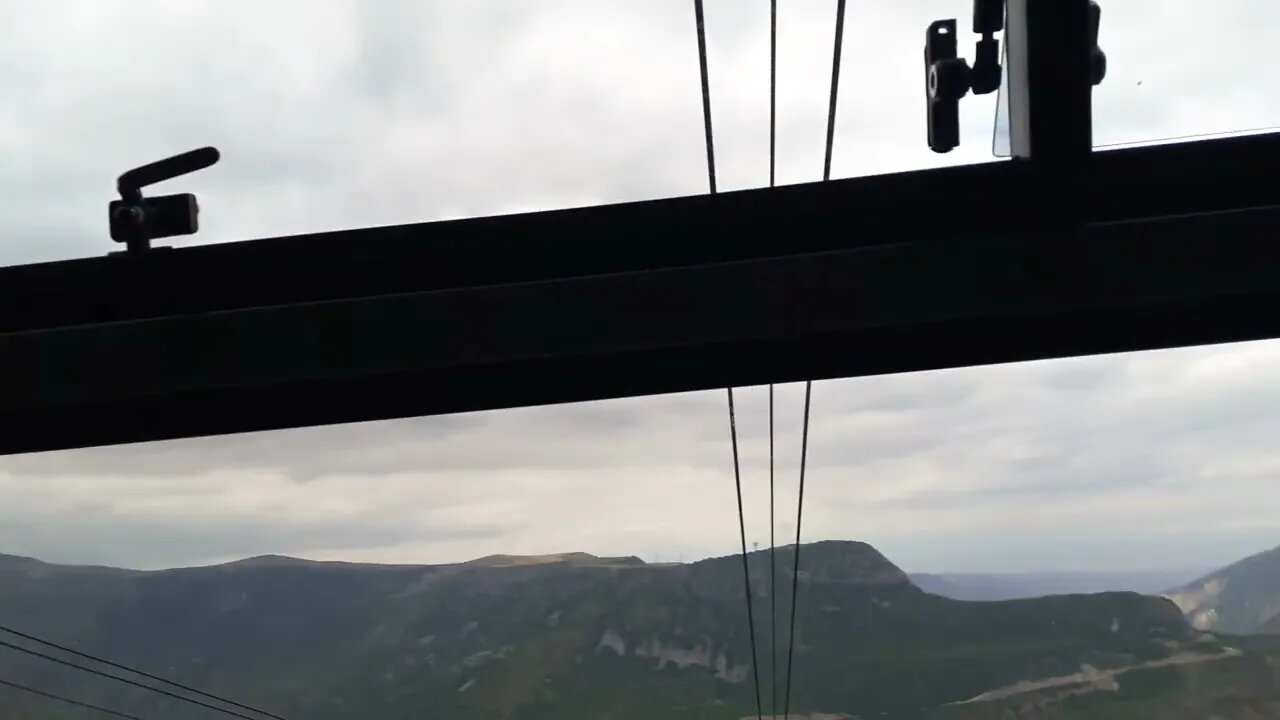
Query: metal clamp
[(948, 77), (136, 221)]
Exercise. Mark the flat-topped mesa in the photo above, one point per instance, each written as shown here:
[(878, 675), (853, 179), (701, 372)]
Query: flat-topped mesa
[(828, 561)]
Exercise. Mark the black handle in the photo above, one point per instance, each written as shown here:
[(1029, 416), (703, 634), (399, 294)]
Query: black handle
[(131, 182)]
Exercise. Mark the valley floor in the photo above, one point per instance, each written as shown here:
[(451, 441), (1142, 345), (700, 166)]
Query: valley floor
[(1091, 679)]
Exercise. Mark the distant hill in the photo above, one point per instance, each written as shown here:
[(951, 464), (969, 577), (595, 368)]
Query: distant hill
[(565, 636), (1011, 586), (1243, 597)]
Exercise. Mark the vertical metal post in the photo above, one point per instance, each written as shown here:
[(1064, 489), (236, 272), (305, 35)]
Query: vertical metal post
[(1048, 43)]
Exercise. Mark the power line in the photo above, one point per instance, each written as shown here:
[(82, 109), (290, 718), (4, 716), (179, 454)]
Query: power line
[(795, 571), (135, 671), (835, 89), (67, 700), (706, 93), (733, 428), (837, 47), (746, 573), (773, 90), (773, 583), (773, 569), (127, 681)]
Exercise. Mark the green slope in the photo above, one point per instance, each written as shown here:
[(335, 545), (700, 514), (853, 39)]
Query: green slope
[(568, 637), (1242, 685)]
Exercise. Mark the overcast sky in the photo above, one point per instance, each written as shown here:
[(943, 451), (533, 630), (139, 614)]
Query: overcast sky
[(338, 114)]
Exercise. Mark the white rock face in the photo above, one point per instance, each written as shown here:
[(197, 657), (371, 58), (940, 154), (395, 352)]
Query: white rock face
[(1199, 604), (701, 655), (614, 642), (734, 674)]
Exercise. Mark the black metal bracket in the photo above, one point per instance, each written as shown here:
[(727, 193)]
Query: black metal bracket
[(948, 77), (136, 221), (1166, 245), (1097, 58)]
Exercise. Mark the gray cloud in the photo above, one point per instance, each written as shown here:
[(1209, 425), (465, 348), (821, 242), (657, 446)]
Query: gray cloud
[(1162, 445), (338, 114), (174, 540)]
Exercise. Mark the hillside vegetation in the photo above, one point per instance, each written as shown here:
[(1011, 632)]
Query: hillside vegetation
[(574, 636)]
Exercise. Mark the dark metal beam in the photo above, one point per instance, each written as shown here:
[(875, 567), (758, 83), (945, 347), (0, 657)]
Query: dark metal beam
[(1048, 45), (911, 305), (921, 270), (933, 205)]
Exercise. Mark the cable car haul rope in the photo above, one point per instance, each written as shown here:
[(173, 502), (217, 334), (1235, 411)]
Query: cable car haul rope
[(808, 386)]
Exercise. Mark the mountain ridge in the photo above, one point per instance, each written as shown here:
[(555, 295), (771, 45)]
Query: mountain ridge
[(576, 636), (493, 560), (278, 560), (1243, 597)]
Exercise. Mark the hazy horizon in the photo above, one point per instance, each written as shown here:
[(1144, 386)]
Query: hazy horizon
[(1154, 570)]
